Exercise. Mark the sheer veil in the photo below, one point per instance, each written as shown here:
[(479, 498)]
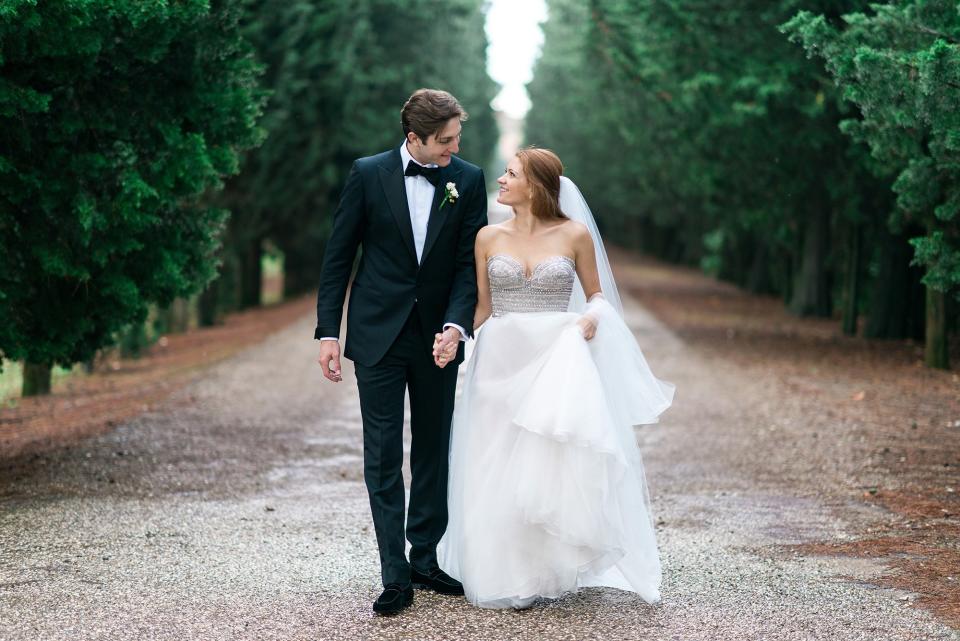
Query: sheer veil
[(575, 207), (545, 473)]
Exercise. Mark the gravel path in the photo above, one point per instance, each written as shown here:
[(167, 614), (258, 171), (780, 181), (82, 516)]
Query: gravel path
[(239, 512)]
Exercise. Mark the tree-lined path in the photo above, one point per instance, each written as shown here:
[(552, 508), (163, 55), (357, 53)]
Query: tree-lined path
[(237, 509), (164, 161)]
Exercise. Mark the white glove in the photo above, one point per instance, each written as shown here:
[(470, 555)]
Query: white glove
[(590, 319)]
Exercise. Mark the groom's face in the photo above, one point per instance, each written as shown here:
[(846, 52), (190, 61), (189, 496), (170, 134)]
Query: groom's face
[(440, 146)]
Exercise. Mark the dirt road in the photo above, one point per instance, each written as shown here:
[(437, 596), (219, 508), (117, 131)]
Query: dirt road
[(237, 510)]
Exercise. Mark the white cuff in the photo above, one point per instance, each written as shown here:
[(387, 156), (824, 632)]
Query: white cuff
[(592, 309), (463, 334), (329, 338)]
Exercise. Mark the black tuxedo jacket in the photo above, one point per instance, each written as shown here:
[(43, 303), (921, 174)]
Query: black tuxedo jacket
[(373, 214)]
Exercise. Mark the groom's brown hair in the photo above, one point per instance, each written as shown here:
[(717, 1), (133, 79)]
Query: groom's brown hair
[(427, 111)]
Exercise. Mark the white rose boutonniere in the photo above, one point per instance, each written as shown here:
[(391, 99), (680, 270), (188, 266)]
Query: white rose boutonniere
[(450, 194)]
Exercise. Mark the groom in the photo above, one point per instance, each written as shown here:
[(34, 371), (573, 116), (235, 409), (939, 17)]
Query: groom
[(415, 210)]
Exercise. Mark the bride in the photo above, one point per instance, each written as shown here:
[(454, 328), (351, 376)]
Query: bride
[(547, 491)]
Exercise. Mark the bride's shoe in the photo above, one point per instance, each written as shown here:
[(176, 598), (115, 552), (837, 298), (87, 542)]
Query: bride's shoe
[(436, 580)]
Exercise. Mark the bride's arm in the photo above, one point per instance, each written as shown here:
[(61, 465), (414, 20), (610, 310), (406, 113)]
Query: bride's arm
[(484, 306), (586, 261)]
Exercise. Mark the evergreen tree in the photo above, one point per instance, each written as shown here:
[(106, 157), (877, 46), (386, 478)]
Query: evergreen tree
[(701, 134), (339, 72), (115, 120), (900, 64)]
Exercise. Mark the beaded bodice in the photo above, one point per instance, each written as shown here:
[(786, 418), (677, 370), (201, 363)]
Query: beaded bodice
[(547, 289)]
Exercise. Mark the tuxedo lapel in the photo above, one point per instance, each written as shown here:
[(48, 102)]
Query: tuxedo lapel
[(439, 216), (391, 179)]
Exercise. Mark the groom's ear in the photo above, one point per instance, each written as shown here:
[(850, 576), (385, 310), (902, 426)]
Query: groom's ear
[(414, 139)]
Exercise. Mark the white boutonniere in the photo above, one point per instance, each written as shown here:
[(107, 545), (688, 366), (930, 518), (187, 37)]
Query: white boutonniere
[(450, 194)]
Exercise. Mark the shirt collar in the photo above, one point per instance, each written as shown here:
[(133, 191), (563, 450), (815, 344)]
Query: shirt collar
[(405, 157)]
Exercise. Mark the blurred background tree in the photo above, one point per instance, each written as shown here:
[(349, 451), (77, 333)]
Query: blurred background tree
[(120, 122), (702, 135), (338, 73), (900, 64), (115, 120), (800, 148)]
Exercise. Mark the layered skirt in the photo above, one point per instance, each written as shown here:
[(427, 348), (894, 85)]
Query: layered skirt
[(547, 491)]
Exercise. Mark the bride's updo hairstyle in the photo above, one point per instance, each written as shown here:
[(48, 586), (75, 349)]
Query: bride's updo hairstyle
[(543, 168)]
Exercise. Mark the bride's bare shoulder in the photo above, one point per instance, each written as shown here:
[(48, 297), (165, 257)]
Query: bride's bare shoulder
[(575, 229), (488, 233)]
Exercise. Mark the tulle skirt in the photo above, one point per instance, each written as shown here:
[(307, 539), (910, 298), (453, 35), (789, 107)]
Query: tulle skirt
[(547, 491)]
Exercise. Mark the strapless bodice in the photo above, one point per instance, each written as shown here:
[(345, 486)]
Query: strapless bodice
[(547, 289)]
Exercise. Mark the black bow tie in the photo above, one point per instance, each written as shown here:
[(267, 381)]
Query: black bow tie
[(430, 173)]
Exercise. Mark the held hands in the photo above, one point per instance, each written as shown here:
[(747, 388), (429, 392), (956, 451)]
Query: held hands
[(445, 346), (329, 360)]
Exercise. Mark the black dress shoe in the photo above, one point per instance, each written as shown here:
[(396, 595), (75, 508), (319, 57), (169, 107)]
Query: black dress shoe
[(436, 580), (395, 597)]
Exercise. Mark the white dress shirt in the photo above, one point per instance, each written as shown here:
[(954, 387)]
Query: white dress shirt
[(420, 192)]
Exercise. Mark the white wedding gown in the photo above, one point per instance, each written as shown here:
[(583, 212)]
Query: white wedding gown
[(547, 491)]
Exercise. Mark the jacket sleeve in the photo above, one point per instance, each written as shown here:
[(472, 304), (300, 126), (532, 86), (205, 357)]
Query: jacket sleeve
[(338, 256), (463, 294)]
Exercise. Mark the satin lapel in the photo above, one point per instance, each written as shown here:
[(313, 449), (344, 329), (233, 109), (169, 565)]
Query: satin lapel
[(391, 179), (439, 216)]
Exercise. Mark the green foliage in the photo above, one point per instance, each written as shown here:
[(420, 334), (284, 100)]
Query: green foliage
[(338, 73), (900, 64), (115, 119), (701, 134), (714, 117)]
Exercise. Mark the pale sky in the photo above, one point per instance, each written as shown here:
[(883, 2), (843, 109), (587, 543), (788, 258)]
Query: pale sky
[(515, 38)]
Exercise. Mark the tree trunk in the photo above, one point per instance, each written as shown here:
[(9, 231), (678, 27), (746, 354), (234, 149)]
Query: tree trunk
[(133, 340), (896, 295), (811, 290), (758, 275), (208, 305), (936, 354), (732, 254), (852, 284), (36, 379), (180, 315), (643, 236), (791, 267), (298, 278), (251, 274), (634, 237), (175, 317)]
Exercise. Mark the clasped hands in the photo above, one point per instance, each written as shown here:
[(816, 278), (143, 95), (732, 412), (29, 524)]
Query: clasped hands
[(445, 346), (444, 350)]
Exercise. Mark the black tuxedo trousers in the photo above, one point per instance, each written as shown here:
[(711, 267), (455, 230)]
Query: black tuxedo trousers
[(407, 365)]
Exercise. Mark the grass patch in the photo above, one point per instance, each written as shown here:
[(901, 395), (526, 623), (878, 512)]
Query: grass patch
[(11, 380)]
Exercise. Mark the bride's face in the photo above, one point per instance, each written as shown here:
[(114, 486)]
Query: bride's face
[(514, 188)]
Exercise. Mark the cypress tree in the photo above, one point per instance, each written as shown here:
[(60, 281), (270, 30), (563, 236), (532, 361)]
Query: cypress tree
[(116, 119)]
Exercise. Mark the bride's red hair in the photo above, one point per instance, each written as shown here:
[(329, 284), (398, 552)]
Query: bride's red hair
[(543, 169)]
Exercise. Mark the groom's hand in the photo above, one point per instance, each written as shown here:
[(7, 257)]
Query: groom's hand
[(445, 346), (330, 360)]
